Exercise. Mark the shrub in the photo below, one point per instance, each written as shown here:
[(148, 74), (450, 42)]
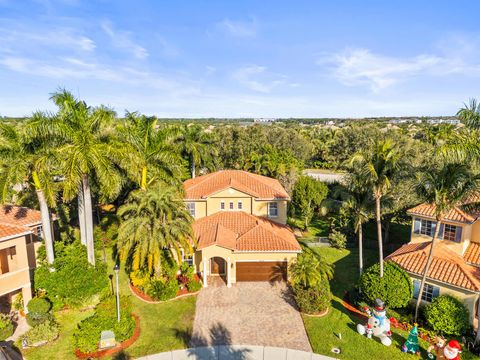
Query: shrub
[(6, 326), (194, 286), (447, 315), (87, 335), (337, 240), (17, 303), (395, 288), (39, 305), (139, 279), (313, 300), (34, 319), (160, 289), (47, 331), (74, 280)]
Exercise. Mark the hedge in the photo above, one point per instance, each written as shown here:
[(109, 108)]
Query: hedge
[(447, 315)]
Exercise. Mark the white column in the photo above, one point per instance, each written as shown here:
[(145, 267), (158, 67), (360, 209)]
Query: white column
[(205, 272), (229, 268)]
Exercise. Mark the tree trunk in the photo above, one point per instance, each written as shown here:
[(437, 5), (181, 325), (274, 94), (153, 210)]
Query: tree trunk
[(427, 267), (192, 167), (46, 226), (88, 220), (379, 233), (360, 247), (81, 216), (143, 180)]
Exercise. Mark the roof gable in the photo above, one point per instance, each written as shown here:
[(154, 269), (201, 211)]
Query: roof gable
[(258, 186), (19, 215)]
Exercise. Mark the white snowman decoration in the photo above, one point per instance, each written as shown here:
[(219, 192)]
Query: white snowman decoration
[(378, 323)]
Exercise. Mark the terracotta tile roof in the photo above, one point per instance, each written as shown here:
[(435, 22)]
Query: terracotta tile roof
[(447, 266), (18, 215), (240, 231), (255, 185), (457, 214), (472, 254), (7, 231)]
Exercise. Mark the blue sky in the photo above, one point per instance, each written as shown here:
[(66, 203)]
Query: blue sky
[(242, 58)]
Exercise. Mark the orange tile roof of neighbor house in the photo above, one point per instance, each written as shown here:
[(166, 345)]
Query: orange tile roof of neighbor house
[(447, 266), (258, 186), (472, 254), (239, 231), (15, 220), (458, 214)]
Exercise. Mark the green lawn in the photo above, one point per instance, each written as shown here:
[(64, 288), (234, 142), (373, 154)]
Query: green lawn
[(324, 332), (317, 227), (163, 327)]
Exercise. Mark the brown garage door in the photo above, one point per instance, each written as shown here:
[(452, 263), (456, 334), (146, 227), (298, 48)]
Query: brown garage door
[(262, 271)]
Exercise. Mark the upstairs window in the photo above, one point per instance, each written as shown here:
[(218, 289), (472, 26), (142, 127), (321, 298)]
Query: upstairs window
[(240, 205), (231, 205), (187, 258), (272, 209), (424, 227), (222, 205), (39, 230), (452, 232), (191, 208), (429, 293)]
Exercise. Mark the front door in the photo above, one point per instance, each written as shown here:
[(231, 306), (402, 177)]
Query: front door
[(217, 266)]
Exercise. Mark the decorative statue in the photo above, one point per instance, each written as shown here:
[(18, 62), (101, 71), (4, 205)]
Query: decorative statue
[(411, 345), (377, 322), (451, 351)]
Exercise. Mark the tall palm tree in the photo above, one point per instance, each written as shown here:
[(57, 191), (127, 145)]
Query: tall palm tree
[(359, 204), (153, 220), (154, 153), (445, 188), (84, 152), (23, 160), (470, 114), (378, 168), (197, 146)]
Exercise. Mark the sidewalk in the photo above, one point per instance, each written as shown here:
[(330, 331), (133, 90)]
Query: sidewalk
[(236, 352)]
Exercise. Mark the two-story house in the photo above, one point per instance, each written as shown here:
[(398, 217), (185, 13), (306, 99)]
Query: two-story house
[(20, 232), (240, 226), (455, 268)]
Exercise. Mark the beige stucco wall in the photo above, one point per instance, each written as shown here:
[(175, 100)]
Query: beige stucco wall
[(217, 251), (18, 276), (250, 205), (467, 297), (475, 233)]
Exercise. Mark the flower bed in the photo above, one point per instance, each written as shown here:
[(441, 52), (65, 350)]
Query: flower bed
[(142, 296), (112, 351)]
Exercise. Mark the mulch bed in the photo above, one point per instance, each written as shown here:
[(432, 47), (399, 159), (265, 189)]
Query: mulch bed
[(320, 314), (394, 323), (140, 294), (112, 351)]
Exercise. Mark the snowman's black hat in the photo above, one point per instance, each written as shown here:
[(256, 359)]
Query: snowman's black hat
[(379, 305)]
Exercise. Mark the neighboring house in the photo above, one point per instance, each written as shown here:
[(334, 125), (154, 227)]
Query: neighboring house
[(326, 176), (20, 235), (240, 226), (455, 267)]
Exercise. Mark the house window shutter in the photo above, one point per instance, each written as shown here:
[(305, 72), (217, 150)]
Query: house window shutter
[(435, 292), (416, 226), (416, 288), (458, 234), (434, 226), (440, 233)]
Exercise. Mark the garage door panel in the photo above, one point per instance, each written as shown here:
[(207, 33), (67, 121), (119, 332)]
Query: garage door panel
[(261, 271)]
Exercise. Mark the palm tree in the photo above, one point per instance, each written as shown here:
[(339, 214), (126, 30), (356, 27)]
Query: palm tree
[(378, 168), (84, 152), (155, 156), (445, 188), (153, 220), (23, 160), (309, 269), (359, 204), (197, 146), (470, 114)]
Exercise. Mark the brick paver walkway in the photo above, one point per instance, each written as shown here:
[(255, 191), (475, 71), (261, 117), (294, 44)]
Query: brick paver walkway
[(255, 313)]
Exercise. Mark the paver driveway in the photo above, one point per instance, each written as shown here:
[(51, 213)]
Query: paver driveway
[(254, 313)]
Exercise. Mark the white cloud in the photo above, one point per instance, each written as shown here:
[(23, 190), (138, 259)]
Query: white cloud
[(239, 28), (256, 78), (122, 40)]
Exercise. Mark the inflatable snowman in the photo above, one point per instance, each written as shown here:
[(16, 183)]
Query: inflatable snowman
[(378, 323)]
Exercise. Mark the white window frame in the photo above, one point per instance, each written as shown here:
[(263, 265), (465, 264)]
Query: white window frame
[(270, 208), (453, 228), (231, 206), (240, 205), (186, 258), (191, 208), (222, 205), (428, 292), (426, 227), (39, 229)]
